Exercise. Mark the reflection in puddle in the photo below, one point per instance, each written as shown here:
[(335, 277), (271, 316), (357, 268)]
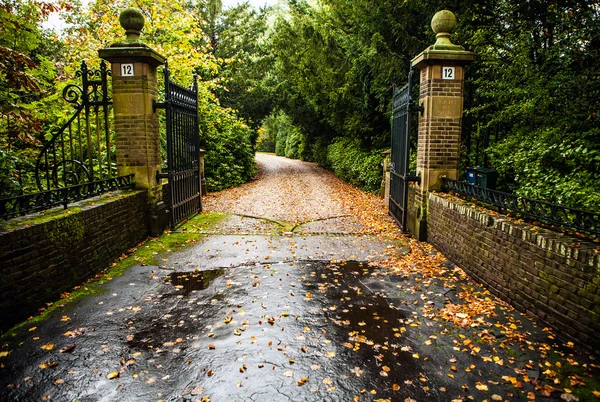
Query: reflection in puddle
[(197, 280)]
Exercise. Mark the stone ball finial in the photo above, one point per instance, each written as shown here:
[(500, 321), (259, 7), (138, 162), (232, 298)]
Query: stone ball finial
[(132, 20), (443, 22)]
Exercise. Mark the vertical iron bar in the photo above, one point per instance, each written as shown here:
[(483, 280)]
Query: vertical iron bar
[(478, 144), (98, 140), (170, 167), (86, 104), (104, 79), (64, 161), (406, 153)]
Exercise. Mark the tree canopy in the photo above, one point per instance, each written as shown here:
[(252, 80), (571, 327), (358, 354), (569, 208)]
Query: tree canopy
[(322, 73)]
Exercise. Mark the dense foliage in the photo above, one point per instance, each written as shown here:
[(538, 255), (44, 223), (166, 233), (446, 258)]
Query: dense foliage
[(34, 70), (349, 162), (533, 92), (26, 89)]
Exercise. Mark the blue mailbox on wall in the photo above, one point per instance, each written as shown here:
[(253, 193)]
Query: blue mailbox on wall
[(482, 177), (471, 175)]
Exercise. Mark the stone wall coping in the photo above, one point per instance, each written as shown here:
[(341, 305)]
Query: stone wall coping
[(36, 219), (565, 245), (439, 56), (131, 54)]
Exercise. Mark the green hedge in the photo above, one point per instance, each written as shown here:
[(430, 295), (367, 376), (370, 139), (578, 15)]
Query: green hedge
[(289, 141), (352, 164), (229, 159)]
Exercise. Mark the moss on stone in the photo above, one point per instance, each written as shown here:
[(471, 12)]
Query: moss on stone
[(59, 212), (66, 231)]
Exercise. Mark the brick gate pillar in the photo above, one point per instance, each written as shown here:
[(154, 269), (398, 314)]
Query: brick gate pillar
[(137, 132), (441, 95)]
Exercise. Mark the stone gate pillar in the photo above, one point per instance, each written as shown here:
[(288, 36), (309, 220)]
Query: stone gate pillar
[(441, 95), (134, 89)]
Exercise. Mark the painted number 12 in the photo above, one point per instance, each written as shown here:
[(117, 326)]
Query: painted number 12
[(447, 73), (127, 70)]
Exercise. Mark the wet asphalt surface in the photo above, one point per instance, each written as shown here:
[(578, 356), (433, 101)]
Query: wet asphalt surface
[(255, 317)]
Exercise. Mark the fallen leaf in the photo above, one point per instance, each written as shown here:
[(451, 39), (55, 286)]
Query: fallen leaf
[(481, 387), (46, 365), (48, 346), (112, 375)]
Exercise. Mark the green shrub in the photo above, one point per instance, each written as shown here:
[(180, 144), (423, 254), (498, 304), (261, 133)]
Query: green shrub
[(318, 152), (229, 159), (289, 141), (295, 144), (266, 141), (354, 165)]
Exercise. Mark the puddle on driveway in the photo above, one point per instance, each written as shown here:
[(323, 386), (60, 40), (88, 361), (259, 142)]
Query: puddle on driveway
[(188, 282)]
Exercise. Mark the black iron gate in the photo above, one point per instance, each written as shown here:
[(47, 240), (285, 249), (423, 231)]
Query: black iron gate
[(183, 149), (402, 110)]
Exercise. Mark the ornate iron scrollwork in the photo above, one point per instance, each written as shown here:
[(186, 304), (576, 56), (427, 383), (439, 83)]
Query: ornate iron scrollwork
[(80, 151)]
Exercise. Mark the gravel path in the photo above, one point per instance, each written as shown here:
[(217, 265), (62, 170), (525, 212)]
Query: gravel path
[(291, 195)]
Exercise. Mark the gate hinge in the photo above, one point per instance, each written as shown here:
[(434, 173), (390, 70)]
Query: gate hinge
[(413, 179), (416, 108), (158, 105)]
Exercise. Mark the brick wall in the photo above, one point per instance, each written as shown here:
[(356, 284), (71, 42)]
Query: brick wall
[(39, 262), (440, 126), (137, 126), (552, 277)]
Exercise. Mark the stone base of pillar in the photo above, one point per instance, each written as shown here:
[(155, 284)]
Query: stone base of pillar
[(159, 218)]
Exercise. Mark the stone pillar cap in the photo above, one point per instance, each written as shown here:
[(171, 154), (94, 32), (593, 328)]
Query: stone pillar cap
[(443, 23), (132, 49), (132, 20)]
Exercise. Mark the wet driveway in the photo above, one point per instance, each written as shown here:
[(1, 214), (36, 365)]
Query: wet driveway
[(275, 330), (305, 330), (292, 306)]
